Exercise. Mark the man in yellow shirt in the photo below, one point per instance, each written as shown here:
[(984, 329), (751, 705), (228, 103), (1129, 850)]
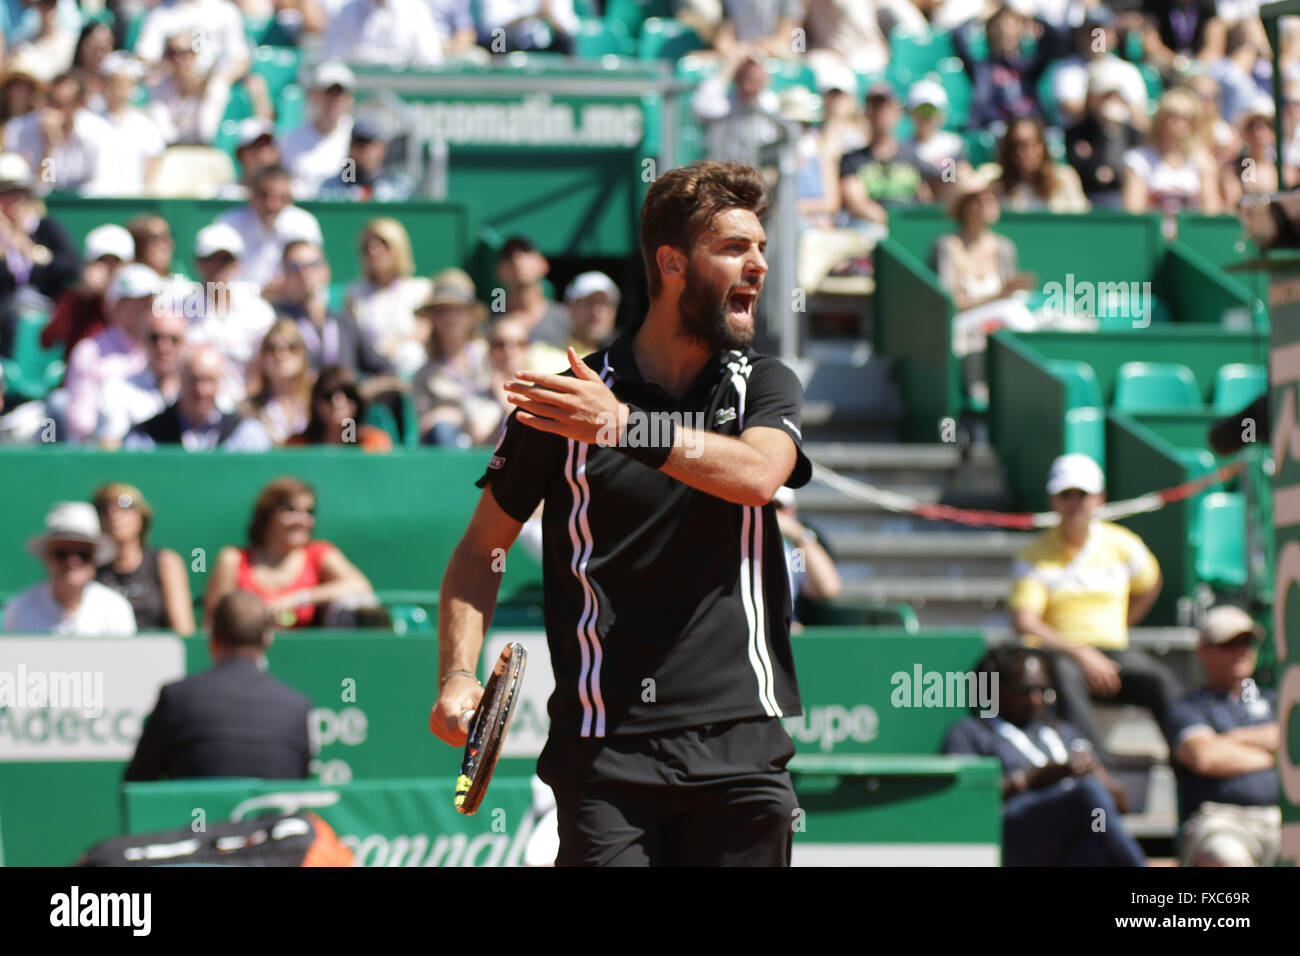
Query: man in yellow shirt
[(1077, 588)]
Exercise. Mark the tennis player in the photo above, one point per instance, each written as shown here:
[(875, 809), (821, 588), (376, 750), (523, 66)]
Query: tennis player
[(667, 595)]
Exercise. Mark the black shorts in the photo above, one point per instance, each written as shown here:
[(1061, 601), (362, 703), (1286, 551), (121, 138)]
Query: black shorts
[(716, 795)]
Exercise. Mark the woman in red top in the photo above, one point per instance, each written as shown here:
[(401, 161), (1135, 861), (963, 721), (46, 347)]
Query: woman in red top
[(282, 564)]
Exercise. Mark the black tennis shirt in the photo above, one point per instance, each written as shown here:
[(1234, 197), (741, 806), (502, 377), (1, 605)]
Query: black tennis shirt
[(665, 607)]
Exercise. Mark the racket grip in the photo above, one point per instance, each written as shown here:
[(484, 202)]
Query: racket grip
[(465, 717)]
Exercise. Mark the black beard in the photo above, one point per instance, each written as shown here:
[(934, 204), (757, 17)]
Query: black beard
[(703, 309)]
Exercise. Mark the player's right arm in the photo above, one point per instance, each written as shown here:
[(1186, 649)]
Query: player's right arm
[(466, 603)]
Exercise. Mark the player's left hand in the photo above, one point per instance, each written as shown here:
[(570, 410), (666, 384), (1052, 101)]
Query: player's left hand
[(582, 408)]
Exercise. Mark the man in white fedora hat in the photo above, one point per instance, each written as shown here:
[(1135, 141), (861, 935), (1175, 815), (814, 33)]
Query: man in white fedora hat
[(70, 602)]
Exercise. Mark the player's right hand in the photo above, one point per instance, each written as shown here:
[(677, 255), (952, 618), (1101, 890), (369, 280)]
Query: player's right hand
[(459, 694)]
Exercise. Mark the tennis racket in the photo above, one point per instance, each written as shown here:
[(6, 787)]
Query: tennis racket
[(487, 728)]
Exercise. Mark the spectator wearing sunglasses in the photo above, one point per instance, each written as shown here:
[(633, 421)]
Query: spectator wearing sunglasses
[(282, 564), (70, 602), (129, 400), (337, 412), (154, 581), (266, 224), (1224, 740)]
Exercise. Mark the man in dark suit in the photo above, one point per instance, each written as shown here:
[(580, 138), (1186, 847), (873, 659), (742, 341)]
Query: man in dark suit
[(234, 720)]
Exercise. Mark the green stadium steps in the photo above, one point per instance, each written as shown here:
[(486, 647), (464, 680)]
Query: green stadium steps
[(1155, 386)]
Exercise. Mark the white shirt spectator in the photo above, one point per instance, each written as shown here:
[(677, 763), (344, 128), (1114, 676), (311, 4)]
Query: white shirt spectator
[(46, 57), (92, 364), (314, 158), (393, 33), (133, 140), (102, 613), (1169, 188), (498, 13), (263, 247), (387, 319), (75, 164), (188, 120), (451, 16), (216, 25), (237, 334), (128, 402)]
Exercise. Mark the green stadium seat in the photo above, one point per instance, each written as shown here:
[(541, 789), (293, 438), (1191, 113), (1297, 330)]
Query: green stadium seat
[(1237, 385), (227, 138), (33, 370), (1046, 96), (133, 26), (597, 38), (665, 39), (786, 74), (1085, 432), (981, 146), (952, 77), (1221, 550), (289, 109), (240, 105), (278, 66), (919, 54), (633, 13), (1081, 385), (1155, 85), (1198, 461), (411, 619), (1155, 386)]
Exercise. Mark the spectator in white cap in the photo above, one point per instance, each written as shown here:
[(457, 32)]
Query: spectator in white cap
[(395, 33), (1254, 170), (1077, 589), (1223, 743), (214, 27), (226, 312), (935, 151), (37, 259), (317, 150), (135, 143), (593, 300), (70, 602), (62, 141), (1097, 144), (265, 224), (1095, 43), (50, 50), (255, 150), (187, 102), (115, 353), (81, 312)]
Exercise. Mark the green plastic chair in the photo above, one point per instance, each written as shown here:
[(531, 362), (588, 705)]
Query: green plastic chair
[(240, 105), (1085, 432), (380, 415), (917, 53), (981, 146), (1046, 96), (665, 39), (597, 38), (34, 370), (1237, 385), (227, 139), (1197, 462), (786, 74), (411, 619), (634, 13), (1155, 387), (1221, 551), (952, 77), (289, 109), (1081, 385), (1155, 85), (278, 66)]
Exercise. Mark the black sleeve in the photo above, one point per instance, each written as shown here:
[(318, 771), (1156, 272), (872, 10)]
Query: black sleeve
[(61, 271), (522, 467), (850, 163), (773, 399), (150, 757)]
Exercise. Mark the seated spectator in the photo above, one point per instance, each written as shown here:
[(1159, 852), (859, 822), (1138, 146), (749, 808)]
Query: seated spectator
[(63, 140), (1005, 83), (1223, 741), (400, 34), (935, 151), (1097, 144), (843, 130), (255, 151), (115, 353), (737, 108), (317, 150), (977, 268), (235, 720), (20, 94), (224, 49), (225, 312), (363, 177), (507, 26), (1214, 134), (186, 102), (37, 258), (154, 245), (521, 267), (453, 391), (94, 43), (880, 174), (766, 26), (1178, 31), (817, 192), (337, 412), (51, 50), (384, 300), (279, 383), (155, 581), (813, 575), (455, 21), (265, 224), (1095, 43), (593, 300), (1052, 784), (80, 312), (1254, 171), (1244, 71), (193, 421), (1030, 179), (1172, 173), (332, 338), (1077, 589), (125, 402), (70, 602), (135, 144), (294, 574), (851, 32)]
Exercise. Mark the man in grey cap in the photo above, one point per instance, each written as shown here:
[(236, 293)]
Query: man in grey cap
[(593, 300), (70, 602), (1223, 742)]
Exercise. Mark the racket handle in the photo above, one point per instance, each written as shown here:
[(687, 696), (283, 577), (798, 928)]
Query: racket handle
[(465, 717)]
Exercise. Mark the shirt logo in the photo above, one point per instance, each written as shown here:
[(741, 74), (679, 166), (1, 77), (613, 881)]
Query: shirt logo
[(496, 462), (724, 415), (793, 427)]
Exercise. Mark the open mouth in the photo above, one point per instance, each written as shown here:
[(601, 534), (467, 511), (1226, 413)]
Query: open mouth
[(741, 302)]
